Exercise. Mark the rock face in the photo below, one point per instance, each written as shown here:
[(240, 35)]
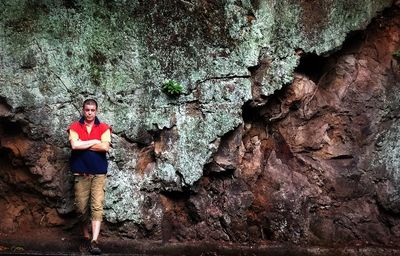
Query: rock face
[(285, 130)]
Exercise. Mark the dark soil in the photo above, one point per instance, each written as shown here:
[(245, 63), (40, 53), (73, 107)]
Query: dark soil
[(49, 242)]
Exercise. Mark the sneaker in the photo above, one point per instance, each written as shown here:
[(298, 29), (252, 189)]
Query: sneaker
[(94, 248)]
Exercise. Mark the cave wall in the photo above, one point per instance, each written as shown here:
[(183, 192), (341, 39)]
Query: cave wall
[(287, 128)]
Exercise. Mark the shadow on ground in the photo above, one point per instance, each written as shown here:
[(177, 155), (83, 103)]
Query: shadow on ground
[(70, 246)]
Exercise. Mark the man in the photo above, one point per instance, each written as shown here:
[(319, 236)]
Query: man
[(90, 141)]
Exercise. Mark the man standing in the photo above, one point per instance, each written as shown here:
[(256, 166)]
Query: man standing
[(90, 141)]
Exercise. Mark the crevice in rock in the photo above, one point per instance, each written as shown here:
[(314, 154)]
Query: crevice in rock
[(354, 40), (223, 174), (312, 66), (251, 113), (224, 78), (176, 196)]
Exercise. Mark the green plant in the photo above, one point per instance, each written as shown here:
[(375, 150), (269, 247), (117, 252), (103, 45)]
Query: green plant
[(172, 88), (396, 54)]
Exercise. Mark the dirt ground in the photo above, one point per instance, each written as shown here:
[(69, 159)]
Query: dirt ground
[(53, 242)]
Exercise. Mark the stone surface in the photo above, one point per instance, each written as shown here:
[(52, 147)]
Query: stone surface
[(331, 146), (285, 130)]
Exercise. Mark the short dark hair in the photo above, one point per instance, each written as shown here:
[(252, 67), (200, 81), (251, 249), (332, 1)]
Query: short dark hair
[(89, 102)]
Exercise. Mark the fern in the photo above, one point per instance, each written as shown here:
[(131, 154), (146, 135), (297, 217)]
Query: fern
[(172, 88)]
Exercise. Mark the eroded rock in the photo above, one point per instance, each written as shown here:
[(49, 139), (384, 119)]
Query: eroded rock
[(240, 156)]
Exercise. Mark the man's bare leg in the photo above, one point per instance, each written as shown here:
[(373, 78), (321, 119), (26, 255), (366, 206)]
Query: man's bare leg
[(85, 230), (96, 224)]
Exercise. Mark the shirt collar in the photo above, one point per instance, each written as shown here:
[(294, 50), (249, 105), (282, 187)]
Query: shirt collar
[(96, 120)]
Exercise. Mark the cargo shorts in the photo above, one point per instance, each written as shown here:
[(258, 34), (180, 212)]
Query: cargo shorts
[(89, 194)]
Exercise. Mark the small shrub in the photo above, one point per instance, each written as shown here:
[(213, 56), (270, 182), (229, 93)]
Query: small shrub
[(172, 88), (396, 54)]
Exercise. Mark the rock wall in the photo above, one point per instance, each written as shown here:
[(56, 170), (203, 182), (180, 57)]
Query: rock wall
[(285, 131)]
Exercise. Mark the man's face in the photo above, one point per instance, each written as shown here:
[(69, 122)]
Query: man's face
[(89, 112)]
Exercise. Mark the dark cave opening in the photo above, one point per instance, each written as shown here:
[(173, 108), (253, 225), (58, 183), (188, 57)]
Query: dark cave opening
[(315, 66), (312, 65), (354, 40), (13, 168), (251, 113), (9, 128)]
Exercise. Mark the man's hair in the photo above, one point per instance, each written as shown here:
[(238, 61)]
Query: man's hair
[(89, 102)]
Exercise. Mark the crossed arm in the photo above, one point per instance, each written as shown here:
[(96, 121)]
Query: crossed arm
[(94, 145)]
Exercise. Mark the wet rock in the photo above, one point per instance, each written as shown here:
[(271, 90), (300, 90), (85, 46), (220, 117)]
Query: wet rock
[(251, 151)]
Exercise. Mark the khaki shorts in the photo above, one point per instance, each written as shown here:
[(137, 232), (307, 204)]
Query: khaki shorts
[(89, 192)]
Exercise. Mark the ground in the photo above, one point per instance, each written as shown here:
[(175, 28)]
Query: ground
[(55, 242)]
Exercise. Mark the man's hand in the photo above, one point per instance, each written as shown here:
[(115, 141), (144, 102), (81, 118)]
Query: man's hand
[(86, 144), (101, 147)]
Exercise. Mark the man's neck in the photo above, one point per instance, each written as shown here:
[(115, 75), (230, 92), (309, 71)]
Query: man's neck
[(89, 123)]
